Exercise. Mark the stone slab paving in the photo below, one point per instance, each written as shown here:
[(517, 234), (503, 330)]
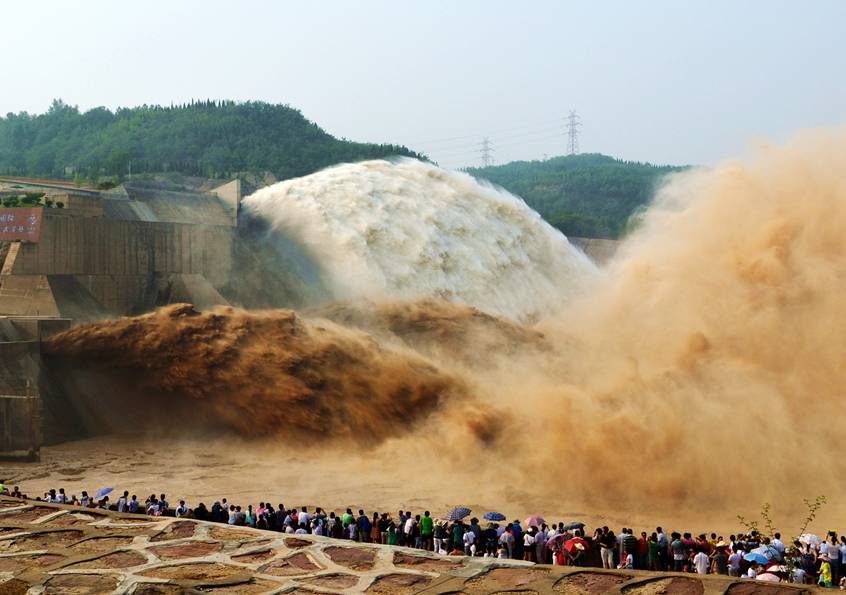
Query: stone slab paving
[(54, 549)]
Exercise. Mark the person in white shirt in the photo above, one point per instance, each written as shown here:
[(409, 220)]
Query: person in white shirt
[(798, 574), (751, 573), (303, 518), (122, 502), (182, 509), (734, 562), (777, 544), (528, 543), (700, 562), (469, 543)]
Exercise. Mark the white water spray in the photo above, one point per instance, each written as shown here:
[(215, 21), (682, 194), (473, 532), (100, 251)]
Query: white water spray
[(410, 230)]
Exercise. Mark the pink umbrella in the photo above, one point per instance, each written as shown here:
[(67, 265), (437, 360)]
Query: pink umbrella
[(534, 521), (556, 538)]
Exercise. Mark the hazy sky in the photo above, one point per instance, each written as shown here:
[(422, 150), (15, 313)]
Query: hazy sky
[(660, 81)]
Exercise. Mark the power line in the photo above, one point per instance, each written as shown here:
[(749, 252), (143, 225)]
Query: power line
[(573, 125), (534, 124), (494, 137), (474, 148), (487, 152)]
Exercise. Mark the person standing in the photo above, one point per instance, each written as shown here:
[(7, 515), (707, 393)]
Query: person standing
[(457, 535), (427, 529), (540, 544), (643, 551), (607, 543), (440, 537), (679, 551), (123, 502), (825, 572), (408, 530), (181, 510), (778, 545), (663, 549), (720, 558), (506, 540), (834, 556), (375, 530), (469, 540), (735, 562), (701, 562), (528, 546), (363, 527), (630, 547), (652, 553)]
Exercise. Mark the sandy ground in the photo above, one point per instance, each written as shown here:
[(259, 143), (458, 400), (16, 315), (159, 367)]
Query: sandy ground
[(249, 472)]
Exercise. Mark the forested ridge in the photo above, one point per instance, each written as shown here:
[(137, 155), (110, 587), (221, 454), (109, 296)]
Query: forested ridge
[(589, 195), (208, 138)]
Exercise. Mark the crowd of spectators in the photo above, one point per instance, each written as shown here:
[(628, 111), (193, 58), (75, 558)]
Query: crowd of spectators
[(807, 559)]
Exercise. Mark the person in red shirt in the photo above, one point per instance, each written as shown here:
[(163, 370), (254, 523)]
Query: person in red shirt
[(643, 551)]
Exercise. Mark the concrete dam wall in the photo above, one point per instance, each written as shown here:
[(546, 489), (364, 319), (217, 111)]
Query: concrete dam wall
[(101, 255)]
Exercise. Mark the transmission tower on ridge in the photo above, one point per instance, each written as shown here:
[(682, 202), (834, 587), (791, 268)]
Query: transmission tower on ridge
[(574, 122), (487, 152)]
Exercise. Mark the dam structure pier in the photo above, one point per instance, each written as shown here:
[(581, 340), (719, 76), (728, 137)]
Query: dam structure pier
[(93, 255)]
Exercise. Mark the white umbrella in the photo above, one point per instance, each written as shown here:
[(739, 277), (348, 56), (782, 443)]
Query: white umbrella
[(809, 539), (769, 577)]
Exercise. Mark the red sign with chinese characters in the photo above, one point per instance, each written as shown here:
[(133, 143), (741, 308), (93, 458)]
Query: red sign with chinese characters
[(20, 225)]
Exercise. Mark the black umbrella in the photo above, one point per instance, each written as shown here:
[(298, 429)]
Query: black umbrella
[(575, 525), (494, 516), (458, 513)]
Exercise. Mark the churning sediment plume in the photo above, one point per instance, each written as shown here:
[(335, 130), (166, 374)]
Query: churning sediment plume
[(271, 373), (704, 365), (708, 364)]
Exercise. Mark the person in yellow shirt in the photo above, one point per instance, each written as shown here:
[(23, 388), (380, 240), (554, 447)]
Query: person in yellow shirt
[(825, 573)]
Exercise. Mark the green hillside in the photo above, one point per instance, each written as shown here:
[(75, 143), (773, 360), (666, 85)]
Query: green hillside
[(583, 195), (209, 138), (587, 195)]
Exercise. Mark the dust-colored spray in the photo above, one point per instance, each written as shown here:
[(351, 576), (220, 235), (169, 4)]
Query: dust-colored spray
[(707, 368)]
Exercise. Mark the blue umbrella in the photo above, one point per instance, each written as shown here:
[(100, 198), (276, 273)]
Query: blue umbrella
[(494, 516), (458, 513), (102, 492), (756, 557), (768, 552)]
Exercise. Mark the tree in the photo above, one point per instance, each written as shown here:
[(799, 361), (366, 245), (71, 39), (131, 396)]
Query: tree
[(203, 138)]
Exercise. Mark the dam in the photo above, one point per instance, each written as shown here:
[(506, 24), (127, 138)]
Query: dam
[(84, 255)]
